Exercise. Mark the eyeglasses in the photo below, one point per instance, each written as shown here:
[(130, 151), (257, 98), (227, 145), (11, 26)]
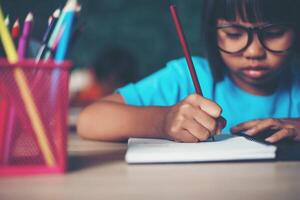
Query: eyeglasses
[(273, 37)]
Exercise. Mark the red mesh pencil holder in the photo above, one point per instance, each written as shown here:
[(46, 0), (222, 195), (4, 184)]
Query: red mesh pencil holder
[(33, 117)]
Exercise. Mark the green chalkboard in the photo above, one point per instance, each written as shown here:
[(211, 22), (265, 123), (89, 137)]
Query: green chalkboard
[(143, 27)]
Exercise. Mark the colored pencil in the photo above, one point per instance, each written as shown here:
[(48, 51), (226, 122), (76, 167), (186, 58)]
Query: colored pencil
[(57, 39), (7, 21), (22, 84), (50, 18), (15, 31), (53, 22), (3, 109), (23, 41), (47, 35), (69, 10), (9, 132), (78, 8), (11, 113), (56, 30)]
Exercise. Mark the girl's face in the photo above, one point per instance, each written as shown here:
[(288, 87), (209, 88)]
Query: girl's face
[(254, 69)]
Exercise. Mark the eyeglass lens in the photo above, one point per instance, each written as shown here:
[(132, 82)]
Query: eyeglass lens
[(274, 38)]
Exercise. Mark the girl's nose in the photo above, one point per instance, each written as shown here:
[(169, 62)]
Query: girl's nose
[(255, 50)]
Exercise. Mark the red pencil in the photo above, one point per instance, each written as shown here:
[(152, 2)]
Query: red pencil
[(185, 49), (15, 29)]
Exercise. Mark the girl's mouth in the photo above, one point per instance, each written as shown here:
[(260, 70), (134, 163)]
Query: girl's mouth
[(255, 72)]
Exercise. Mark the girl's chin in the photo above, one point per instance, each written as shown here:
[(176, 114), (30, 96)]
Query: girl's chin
[(261, 81), (256, 79)]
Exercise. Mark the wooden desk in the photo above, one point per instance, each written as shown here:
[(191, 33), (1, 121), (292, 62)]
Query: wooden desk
[(98, 171)]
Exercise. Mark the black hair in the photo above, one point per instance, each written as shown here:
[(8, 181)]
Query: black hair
[(272, 11), (117, 62)]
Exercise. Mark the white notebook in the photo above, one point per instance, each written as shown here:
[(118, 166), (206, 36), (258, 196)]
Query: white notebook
[(224, 148)]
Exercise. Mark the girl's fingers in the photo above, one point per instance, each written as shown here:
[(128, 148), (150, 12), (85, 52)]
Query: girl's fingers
[(194, 119), (221, 123), (202, 118), (244, 126), (198, 131), (205, 112), (279, 135), (206, 105), (283, 127), (185, 136), (210, 108), (264, 125)]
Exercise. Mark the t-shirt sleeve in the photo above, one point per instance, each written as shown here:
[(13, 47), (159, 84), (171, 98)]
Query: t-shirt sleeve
[(167, 86)]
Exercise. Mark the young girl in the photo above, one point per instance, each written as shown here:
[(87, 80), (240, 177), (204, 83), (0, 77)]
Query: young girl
[(251, 78)]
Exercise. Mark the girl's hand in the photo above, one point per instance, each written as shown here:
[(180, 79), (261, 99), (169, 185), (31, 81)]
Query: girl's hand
[(284, 128), (192, 120)]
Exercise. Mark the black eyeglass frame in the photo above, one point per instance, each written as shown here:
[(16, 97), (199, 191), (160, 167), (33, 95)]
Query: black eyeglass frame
[(250, 31)]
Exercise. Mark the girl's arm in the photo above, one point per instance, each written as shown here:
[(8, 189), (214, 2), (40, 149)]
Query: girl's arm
[(193, 119), (111, 120)]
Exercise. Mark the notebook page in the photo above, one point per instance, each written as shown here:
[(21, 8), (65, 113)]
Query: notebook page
[(226, 147)]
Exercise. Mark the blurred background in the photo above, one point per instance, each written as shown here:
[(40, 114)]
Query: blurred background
[(128, 38)]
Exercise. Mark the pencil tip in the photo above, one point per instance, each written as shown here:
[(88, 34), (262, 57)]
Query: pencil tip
[(29, 17), (78, 8), (70, 5), (6, 21), (56, 13), (50, 19), (16, 23)]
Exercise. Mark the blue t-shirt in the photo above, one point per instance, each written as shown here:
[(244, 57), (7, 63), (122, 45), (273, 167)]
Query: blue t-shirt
[(173, 83)]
